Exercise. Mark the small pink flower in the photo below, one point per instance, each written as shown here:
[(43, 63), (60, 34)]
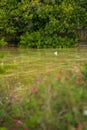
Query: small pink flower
[(25, 129), (66, 75), (61, 60), (81, 63), (58, 76), (79, 79), (75, 69), (18, 122), (34, 90), (50, 68), (61, 71)]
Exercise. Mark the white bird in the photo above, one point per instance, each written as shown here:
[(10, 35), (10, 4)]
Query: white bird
[(55, 53)]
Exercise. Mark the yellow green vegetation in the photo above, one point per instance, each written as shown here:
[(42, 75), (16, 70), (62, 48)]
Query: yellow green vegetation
[(43, 91), (41, 23)]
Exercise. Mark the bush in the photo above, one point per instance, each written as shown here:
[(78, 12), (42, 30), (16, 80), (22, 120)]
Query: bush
[(3, 42), (40, 40), (30, 40)]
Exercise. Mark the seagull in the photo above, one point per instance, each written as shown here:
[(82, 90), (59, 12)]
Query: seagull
[(55, 53)]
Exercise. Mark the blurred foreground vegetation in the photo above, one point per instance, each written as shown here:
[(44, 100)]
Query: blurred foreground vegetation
[(41, 91)]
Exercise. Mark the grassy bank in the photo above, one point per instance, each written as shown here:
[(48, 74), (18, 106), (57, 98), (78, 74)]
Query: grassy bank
[(43, 91)]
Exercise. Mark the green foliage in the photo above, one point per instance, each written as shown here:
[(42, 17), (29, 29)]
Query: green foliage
[(31, 40), (3, 128), (2, 70), (46, 21), (4, 67), (2, 42), (85, 72)]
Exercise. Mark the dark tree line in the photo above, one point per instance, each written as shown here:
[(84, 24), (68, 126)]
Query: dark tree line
[(41, 23)]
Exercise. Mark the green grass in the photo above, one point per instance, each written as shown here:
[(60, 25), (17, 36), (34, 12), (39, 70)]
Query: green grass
[(41, 91)]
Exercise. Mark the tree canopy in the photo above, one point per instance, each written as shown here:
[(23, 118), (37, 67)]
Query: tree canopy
[(41, 23)]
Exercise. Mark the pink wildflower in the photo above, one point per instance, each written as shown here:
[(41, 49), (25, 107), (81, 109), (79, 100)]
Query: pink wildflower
[(67, 75), (50, 68), (25, 129), (18, 122), (79, 78), (61, 71), (75, 69), (58, 76), (62, 60), (34, 90), (13, 98), (81, 63)]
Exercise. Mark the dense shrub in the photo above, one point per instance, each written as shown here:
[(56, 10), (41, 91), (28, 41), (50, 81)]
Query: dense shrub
[(41, 24), (2, 42), (39, 40)]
